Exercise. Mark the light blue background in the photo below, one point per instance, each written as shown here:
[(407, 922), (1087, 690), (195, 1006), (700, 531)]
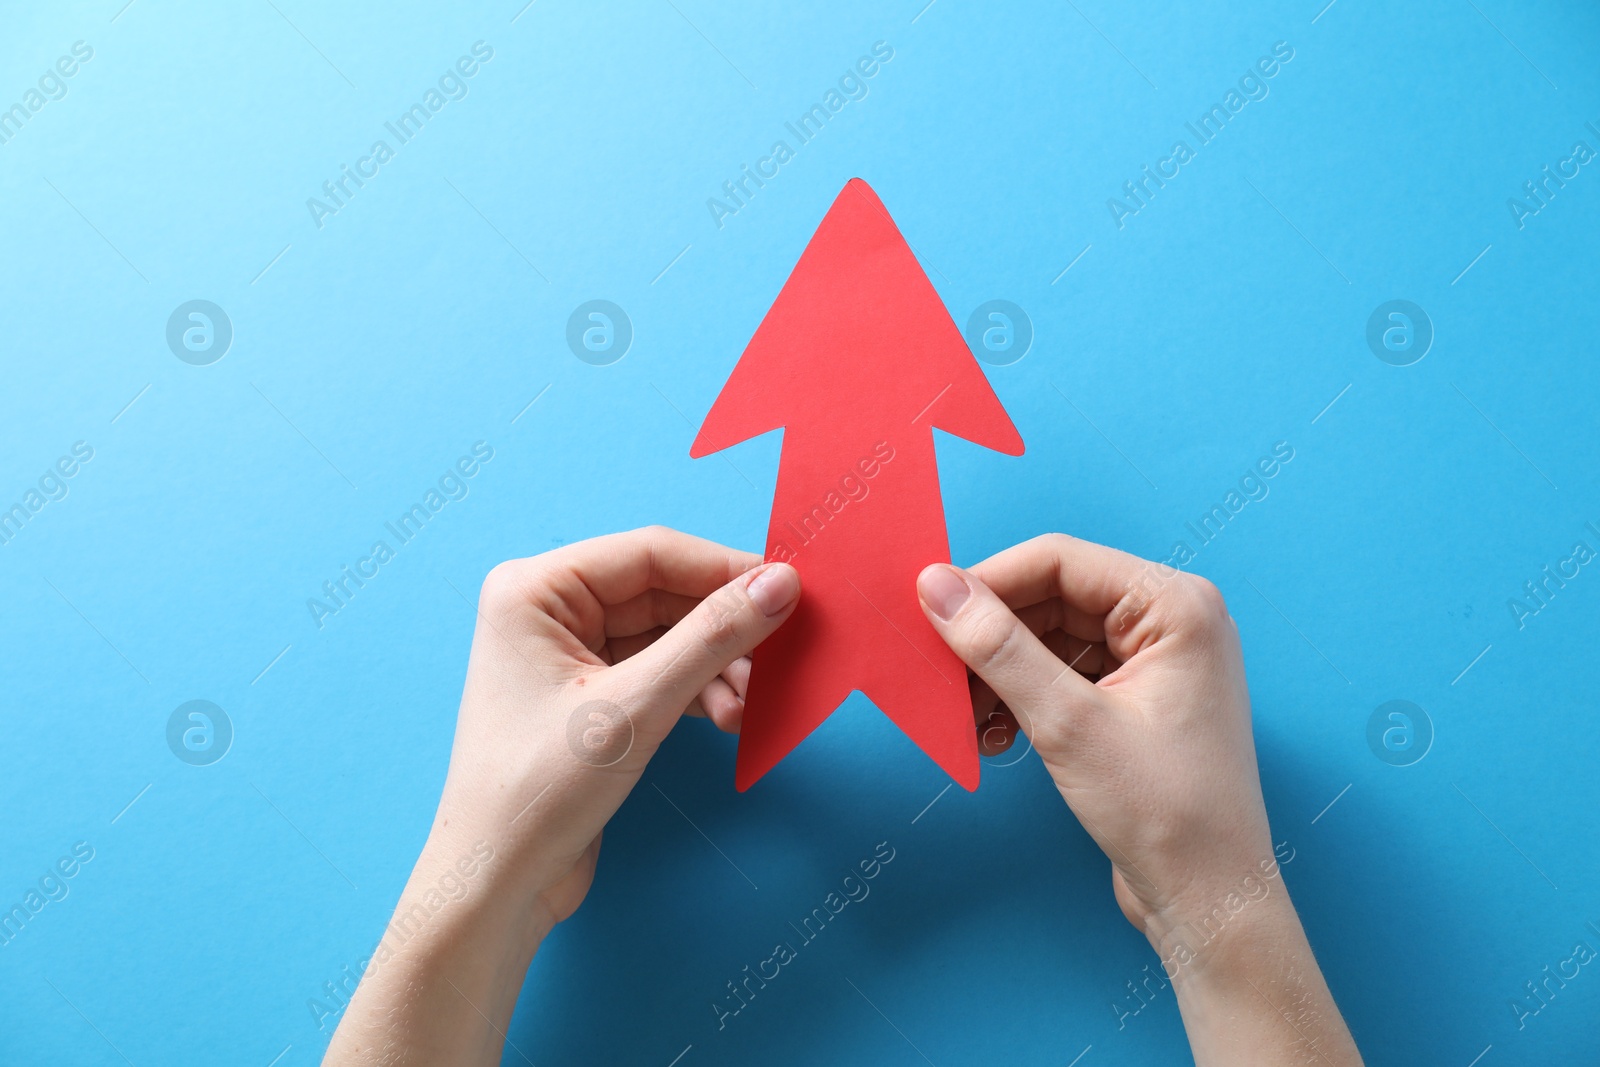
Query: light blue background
[(422, 318)]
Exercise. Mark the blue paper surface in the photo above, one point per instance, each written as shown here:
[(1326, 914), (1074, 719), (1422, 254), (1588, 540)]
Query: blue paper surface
[(1178, 332)]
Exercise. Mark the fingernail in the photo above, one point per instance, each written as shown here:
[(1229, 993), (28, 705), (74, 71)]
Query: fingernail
[(943, 590), (774, 588)]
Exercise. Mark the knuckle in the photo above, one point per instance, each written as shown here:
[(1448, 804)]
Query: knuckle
[(657, 543), (1054, 725), (722, 625), (1202, 602), (1209, 595), (989, 638), (1056, 733), (503, 588), (1147, 589), (1167, 598), (656, 539), (1057, 542)]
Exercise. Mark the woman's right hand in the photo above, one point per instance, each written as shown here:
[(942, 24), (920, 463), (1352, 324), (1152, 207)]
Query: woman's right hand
[(1128, 678)]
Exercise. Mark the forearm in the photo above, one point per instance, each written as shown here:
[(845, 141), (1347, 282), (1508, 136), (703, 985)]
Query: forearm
[(443, 981), (1254, 995)]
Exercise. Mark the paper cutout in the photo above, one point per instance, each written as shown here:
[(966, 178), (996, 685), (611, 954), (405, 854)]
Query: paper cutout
[(858, 361)]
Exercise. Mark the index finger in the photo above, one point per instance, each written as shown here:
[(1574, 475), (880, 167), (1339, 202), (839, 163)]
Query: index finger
[(1087, 577), (616, 568), (1095, 584), (578, 586)]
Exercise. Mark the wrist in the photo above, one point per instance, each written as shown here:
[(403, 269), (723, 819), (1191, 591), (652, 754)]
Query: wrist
[(1211, 946), (1232, 904), (506, 844), (1253, 992), (456, 917), (456, 943)]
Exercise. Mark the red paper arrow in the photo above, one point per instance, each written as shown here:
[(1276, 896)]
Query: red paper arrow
[(858, 361)]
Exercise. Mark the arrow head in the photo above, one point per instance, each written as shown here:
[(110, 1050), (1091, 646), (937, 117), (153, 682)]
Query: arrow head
[(858, 334)]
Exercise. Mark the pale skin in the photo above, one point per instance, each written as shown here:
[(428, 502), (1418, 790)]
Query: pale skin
[(1127, 679)]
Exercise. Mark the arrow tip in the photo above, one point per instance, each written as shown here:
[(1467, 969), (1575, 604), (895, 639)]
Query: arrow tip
[(860, 185)]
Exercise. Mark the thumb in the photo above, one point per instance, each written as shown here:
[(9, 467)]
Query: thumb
[(1001, 650), (729, 623)]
